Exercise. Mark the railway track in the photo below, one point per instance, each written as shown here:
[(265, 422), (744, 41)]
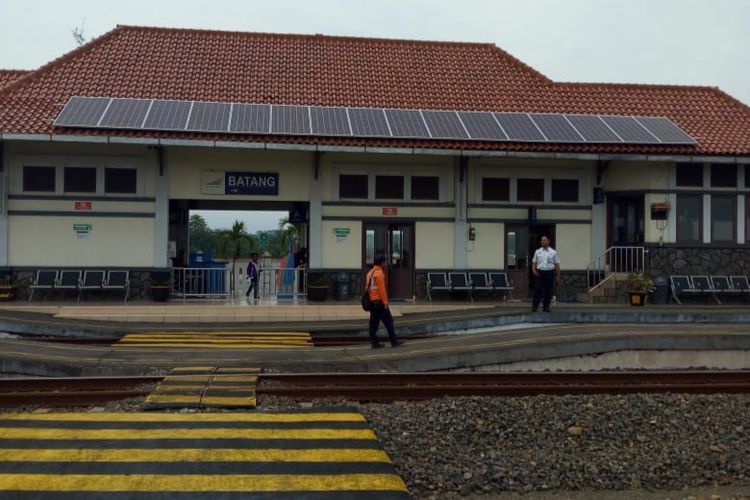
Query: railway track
[(72, 391), (86, 391)]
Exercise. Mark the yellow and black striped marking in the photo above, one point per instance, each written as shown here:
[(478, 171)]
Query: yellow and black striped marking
[(216, 340), (205, 387), (314, 454)]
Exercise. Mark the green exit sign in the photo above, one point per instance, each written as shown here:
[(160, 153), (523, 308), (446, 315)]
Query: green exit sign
[(341, 231), (82, 227)]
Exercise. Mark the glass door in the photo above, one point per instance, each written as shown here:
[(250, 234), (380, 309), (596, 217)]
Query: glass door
[(396, 242), (517, 258)]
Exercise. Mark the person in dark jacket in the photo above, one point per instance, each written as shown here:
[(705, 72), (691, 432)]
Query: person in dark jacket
[(253, 272)]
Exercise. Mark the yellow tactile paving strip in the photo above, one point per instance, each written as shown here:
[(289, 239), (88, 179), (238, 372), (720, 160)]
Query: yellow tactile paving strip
[(205, 387), (321, 454), (216, 340)]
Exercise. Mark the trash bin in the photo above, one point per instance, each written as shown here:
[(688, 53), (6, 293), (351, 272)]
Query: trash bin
[(660, 295), (342, 287), (161, 284)]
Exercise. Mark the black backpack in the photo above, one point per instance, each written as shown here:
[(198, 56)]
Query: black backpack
[(366, 302)]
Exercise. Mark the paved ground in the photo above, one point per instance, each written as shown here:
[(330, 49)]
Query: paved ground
[(315, 454), (444, 352)]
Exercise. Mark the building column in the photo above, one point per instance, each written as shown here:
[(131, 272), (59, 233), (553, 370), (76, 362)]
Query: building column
[(315, 246), (460, 236), (161, 210), (3, 205)]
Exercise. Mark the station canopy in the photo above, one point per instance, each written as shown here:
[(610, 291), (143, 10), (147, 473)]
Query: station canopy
[(319, 121)]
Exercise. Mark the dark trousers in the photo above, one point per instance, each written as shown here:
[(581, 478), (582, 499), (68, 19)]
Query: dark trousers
[(544, 286), (379, 313), (252, 288)]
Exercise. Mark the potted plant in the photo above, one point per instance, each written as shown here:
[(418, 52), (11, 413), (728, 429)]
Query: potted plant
[(317, 288), (639, 284), (7, 288), (161, 284)]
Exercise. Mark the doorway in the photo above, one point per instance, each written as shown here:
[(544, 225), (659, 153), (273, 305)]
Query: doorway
[(396, 242), (626, 220), (521, 241)]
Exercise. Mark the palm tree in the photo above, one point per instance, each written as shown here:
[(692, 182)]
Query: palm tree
[(235, 243), (288, 232)]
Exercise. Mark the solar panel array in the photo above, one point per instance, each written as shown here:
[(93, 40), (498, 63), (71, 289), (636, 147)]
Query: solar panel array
[(237, 118)]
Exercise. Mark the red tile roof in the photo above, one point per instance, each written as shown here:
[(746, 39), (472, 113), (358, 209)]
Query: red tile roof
[(8, 76), (343, 71)]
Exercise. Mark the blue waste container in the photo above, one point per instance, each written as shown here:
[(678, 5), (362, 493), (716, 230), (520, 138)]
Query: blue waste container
[(207, 282), (660, 295)]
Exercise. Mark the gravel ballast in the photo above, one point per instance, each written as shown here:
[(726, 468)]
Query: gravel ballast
[(478, 445), (482, 446)]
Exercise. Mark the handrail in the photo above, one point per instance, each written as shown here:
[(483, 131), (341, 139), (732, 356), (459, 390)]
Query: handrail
[(616, 259)]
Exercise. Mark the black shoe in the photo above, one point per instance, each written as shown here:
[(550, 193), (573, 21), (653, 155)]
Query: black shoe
[(376, 346), (397, 343), (546, 309), (533, 309)]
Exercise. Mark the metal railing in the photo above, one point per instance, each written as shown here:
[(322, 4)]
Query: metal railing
[(615, 260), (203, 282), (281, 283)]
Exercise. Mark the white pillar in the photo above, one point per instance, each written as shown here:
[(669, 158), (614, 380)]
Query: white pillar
[(161, 210), (4, 161), (460, 230), (315, 246), (706, 218)]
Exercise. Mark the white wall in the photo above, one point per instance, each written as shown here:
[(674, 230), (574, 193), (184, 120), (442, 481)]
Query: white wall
[(573, 242), (342, 253), (51, 241), (487, 250), (434, 245)]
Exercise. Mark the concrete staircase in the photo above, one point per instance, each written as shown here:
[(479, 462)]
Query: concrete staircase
[(612, 291)]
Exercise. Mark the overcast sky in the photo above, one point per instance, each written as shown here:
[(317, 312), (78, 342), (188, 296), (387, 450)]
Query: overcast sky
[(696, 42)]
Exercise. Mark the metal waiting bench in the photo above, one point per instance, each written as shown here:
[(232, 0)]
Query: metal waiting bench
[(71, 280), (709, 286), (469, 282)]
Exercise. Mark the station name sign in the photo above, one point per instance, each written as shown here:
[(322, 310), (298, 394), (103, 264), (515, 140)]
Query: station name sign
[(243, 183)]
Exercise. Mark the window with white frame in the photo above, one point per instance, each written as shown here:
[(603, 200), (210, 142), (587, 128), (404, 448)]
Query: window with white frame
[(353, 187), (39, 179), (120, 180), (79, 179)]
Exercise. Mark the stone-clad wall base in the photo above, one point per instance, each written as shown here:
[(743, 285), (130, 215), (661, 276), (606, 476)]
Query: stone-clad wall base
[(668, 261)]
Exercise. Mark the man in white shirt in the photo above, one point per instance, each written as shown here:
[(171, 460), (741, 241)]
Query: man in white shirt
[(546, 268)]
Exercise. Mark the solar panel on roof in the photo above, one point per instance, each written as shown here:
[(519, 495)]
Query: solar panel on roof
[(556, 128), (592, 128), (290, 120), (168, 115), (329, 121), (407, 123), (82, 112), (482, 126), (444, 125), (125, 113), (519, 127), (630, 130), (160, 114), (369, 122), (251, 118), (665, 130), (209, 117)]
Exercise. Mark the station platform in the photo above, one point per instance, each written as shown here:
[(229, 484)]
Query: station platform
[(469, 350)]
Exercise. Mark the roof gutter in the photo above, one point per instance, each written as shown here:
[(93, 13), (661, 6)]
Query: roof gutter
[(149, 141)]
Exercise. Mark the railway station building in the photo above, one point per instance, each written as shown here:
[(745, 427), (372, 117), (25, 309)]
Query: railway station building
[(443, 156)]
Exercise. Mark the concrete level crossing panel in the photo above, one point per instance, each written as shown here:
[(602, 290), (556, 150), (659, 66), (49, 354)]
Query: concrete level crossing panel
[(311, 454)]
